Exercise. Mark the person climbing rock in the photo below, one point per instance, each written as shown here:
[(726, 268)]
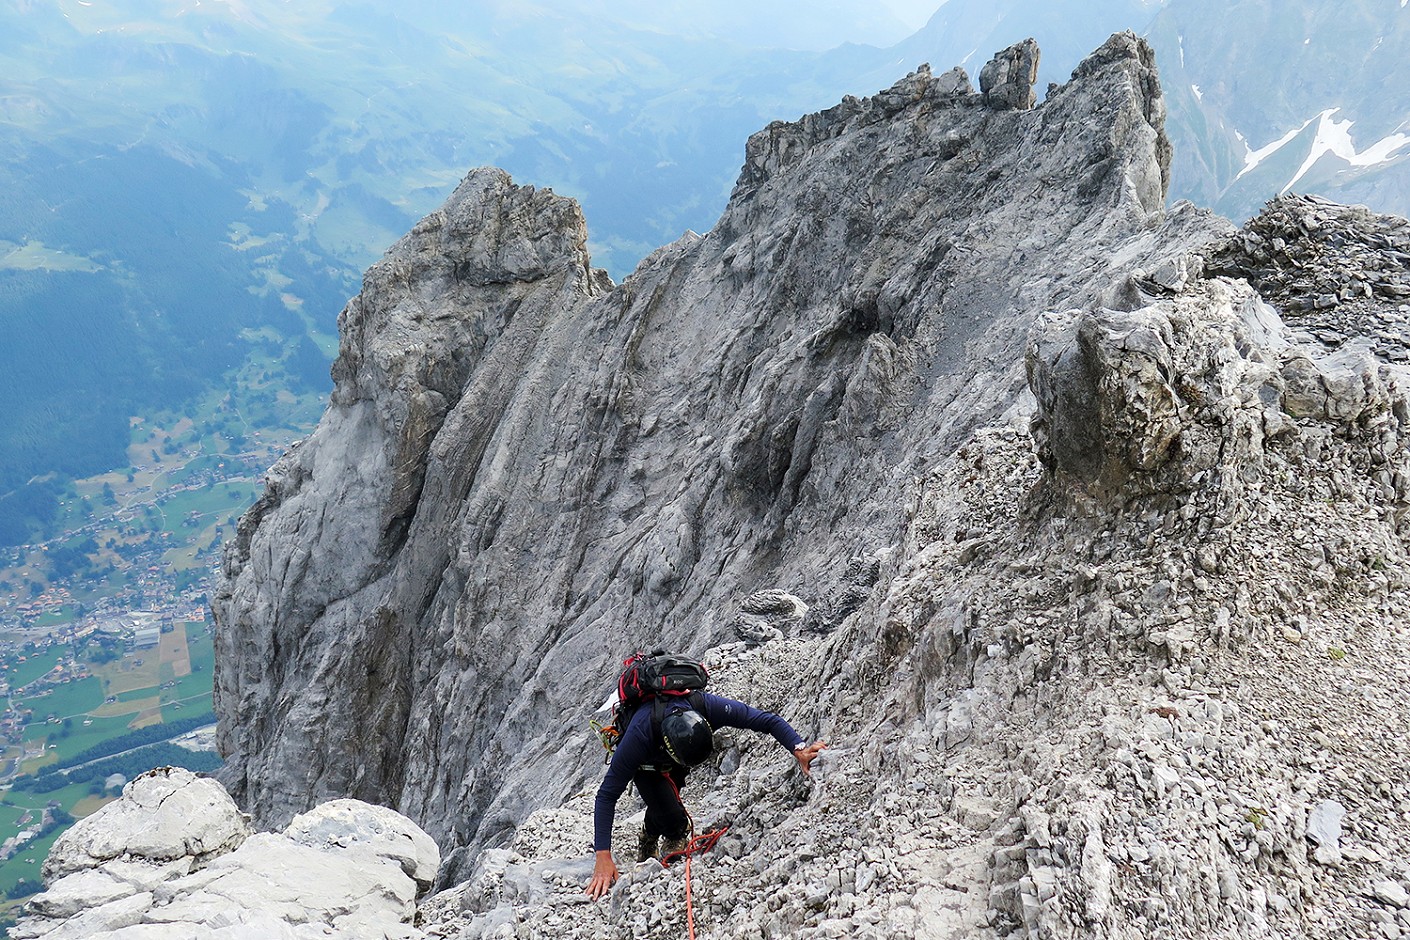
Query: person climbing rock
[(657, 761)]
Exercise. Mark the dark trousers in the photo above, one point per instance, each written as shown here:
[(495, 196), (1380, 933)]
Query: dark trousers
[(665, 813)]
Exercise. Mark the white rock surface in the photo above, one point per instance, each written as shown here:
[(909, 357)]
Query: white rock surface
[(163, 816), (353, 826), (80, 891), (1324, 830), (350, 870)]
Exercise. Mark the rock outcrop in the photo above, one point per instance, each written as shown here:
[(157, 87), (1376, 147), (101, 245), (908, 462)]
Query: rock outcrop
[(175, 858), (1338, 273), (1007, 79), (950, 443), (518, 457)]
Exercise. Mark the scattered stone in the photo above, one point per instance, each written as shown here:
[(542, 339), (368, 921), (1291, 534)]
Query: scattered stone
[(1392, 893), (1334, 271), (1324, 830)]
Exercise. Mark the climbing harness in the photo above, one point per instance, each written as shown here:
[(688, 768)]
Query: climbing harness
[(701, 843)]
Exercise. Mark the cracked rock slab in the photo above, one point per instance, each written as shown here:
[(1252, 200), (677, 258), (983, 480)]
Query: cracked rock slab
[(348, 871), (164, 815)]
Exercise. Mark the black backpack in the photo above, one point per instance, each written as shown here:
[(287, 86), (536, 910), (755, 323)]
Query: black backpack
[(653, 677), (660, 673)]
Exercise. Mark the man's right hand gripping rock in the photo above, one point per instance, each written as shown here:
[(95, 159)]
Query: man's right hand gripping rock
[(604, 875)]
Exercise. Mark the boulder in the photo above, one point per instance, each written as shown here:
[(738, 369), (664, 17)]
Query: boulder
[(165, 815), (346, 869), (356, 827), (90, 922), (1106, 408)]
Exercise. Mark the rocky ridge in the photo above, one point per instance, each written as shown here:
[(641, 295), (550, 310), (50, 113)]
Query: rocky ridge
[(1154, 695), (950, 444), (518, 457)]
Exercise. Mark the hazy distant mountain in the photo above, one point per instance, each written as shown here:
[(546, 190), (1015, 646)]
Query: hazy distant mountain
[(177, 177), (1269, 96), (814, 25)]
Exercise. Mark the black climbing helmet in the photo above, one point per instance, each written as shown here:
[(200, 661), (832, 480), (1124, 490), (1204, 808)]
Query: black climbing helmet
[(687, 737)]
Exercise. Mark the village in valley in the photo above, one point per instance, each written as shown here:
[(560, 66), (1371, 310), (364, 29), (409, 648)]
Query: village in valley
[(106, 653), (87, 706)]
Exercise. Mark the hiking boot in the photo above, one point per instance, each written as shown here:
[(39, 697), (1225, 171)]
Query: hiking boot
[(646, 845), (670, 846)]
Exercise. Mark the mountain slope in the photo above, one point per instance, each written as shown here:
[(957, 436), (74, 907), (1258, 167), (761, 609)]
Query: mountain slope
[(1303, 99), (495, 461), (1090, 544)]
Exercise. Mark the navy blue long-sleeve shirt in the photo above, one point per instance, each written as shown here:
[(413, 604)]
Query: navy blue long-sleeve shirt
[(637, 747)]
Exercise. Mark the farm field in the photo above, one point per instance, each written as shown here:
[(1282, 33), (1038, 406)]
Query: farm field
[(15, 807), (25, 669), (67, 718)]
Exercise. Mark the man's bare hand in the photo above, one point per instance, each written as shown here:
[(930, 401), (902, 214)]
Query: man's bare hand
[(604, 875), (806, 755)]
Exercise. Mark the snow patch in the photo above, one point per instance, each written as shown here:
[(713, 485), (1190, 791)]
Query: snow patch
[(1180, 43), (1334, 137), (1255, 157), (1198, 95)]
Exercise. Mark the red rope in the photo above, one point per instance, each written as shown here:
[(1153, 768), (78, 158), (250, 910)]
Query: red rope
[(701, 843), (689, 908)]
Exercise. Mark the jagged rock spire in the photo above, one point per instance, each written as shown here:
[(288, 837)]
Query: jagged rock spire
[(1007, 79)]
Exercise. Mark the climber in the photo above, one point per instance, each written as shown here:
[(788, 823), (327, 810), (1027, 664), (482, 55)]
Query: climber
[(657, 764)]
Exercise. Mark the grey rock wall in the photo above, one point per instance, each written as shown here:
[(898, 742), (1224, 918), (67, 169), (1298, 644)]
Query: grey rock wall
[(525, 471), (949, 443)]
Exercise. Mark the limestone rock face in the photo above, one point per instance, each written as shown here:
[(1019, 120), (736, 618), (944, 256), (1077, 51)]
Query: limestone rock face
[(949, 442), (344, 869), (518, 456)]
